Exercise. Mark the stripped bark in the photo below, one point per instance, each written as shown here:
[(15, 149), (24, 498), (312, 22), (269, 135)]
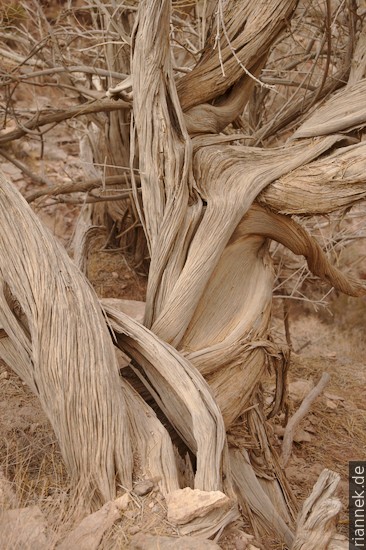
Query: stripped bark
[(204, 348), (46, 308), (295, 420), (317, 521), (211, 299)]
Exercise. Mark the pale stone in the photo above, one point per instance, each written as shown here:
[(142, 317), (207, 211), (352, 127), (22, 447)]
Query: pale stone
[(122, 502), (88, 534), (144, 541), (299, 389), (279, 430), (241, 544), (301, 436), (333, 396), (143, 488), (187, 504)]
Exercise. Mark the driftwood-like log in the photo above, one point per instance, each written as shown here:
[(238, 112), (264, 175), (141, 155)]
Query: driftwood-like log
[(344, 111), (298, 416), (204, 348), (59, 344), (317, 521)]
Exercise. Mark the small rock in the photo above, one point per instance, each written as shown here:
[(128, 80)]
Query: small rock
[(313, 419), (133, 529), (187, 504), (331, 404), (144, 541), (4, 375), (299, 389), (89, 532), (279, 430), (121, 503), (333, 396), (309, 428), (301, 436), (143, 488), (241, 544)]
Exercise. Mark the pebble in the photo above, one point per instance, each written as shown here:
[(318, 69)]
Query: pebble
[(143, 488)]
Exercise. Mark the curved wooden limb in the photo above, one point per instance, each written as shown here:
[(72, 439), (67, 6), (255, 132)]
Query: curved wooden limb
[(58, 343), (321, 186), (317, 521)]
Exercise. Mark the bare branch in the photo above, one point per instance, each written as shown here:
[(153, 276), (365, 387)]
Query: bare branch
[(65, 114), (298, 416)]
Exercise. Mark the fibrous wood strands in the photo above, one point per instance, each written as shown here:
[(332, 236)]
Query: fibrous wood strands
[(54, 336), (317, 520), (204, 346), (68, 361), (210, 280)]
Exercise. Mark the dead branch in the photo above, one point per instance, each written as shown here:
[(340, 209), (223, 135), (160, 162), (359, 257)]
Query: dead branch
[(93, 199), (317, 521), (67, 360), (297, 108), (343, 112), (249, 34), (43, 119), (322, 186), (81, 186), (298, 416)]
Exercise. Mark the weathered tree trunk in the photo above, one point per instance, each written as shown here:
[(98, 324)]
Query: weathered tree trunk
[(316, 525), (105, 150), (209, 209), (64, 357), (210, 280)]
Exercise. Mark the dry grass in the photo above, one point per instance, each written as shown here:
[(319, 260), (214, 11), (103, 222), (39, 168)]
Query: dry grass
[(29, 454)]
